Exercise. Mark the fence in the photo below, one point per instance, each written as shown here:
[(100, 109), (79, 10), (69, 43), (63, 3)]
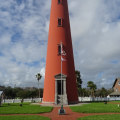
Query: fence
[(81, 99), (90, 99), (19, 100)]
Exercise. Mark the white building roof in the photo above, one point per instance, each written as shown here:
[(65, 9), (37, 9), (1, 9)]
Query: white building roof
[(1, 93)]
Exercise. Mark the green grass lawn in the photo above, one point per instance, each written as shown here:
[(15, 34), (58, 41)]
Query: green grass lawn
[(101, 117), (23, 118), (96, 108), (114, 102), (15, 108)]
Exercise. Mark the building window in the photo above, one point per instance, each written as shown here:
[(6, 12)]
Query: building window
[(119, 83), (116, 89), (60, 1), (60, 22)]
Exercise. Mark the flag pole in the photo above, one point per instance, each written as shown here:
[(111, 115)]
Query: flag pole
[(61, 111), (61, 76)]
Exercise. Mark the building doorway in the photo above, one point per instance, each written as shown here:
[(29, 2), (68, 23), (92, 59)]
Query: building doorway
[(59, 87)]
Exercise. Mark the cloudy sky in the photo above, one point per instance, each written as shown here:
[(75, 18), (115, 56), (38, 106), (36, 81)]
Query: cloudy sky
[(24, 25)]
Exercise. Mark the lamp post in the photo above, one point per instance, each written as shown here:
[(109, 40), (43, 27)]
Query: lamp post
[(39, 76)]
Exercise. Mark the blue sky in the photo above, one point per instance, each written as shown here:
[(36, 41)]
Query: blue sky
[(24, 25)]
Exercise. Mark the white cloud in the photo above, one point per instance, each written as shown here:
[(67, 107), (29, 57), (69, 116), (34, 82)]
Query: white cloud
[(5, 39), (95, 31), (23, 42), (95, 26), (43, 72)]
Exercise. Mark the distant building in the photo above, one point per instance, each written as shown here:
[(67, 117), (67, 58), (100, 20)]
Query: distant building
[(1, 96), (116, 88)]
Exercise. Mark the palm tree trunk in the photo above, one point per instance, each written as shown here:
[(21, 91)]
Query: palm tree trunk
[(39, 88)]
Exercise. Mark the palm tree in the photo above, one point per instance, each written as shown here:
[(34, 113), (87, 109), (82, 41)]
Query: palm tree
[(92, 87), (39, 76)]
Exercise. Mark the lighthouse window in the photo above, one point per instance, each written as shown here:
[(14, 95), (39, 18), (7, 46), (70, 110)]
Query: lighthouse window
[(59, 49), (60, 22), (60, 1)]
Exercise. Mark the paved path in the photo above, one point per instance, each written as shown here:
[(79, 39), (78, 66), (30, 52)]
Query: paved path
[(69, 114)]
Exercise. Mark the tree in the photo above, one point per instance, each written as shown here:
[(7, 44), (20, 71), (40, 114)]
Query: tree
[(84, 92), (0, 102), (22, 94), (92, 87), (16, 90), (9, 93), (39, 76), (79, 82), (102, 92)]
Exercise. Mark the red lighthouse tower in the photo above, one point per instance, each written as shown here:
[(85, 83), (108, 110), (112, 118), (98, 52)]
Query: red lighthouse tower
[(60, 79)]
